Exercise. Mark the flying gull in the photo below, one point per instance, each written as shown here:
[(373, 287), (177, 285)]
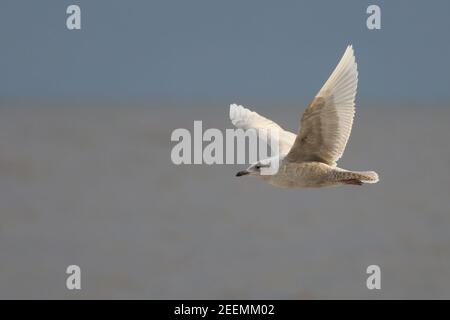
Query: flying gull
[(308, 159)]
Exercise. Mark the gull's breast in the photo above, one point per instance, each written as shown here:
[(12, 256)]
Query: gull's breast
[(301, 175)]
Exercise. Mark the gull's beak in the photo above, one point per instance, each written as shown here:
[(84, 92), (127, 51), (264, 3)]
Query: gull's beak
[(242, 173)]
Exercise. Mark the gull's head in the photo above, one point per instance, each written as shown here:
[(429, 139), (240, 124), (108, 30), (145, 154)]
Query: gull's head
[(255, 169)]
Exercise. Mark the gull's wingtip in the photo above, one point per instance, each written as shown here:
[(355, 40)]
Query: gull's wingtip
[(350, 50), (234, 108)]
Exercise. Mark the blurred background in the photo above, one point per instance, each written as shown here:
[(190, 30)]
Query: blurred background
[(86, 176)]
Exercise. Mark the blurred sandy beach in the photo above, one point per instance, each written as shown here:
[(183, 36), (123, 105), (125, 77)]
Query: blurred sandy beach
[(95, 187)]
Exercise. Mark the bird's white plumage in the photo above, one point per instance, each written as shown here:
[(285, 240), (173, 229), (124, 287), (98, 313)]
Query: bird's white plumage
[(327, 122), (244, 118), (340, 91)]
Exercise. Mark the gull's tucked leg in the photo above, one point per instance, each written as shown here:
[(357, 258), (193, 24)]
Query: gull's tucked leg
[(354, 182)]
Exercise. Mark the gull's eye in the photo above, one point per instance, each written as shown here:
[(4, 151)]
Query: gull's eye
[(258, 166)]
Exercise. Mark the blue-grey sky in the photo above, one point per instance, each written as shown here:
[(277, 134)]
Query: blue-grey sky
[(170, 50)]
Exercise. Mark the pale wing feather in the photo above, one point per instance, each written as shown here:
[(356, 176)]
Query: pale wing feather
[(327, 122), (246, 119)]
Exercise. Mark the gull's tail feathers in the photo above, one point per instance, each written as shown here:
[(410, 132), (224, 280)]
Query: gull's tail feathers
[(366, 176), (356, 177)]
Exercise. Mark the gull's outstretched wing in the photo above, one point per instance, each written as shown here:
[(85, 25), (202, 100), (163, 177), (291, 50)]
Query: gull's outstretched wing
[(246, 119), (327, 122)]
